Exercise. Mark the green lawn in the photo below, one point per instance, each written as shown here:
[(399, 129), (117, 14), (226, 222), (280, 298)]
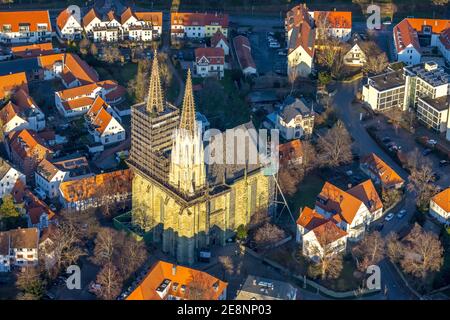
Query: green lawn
[(121, 73), (306, 194)]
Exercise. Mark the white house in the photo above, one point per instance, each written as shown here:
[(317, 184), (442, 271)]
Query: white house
[(218, 40), (141, 26), (90, 20), (443, 44), (19, 248), (25, 27), (209, 62), (440, 206), (197, 25), (68, 25), (407, 47), (357, 55), (8, 178), (293, 118), (103, 123), (48, 178), (301, 36)]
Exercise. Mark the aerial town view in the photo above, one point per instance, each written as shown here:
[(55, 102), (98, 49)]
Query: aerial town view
[(224, 150)]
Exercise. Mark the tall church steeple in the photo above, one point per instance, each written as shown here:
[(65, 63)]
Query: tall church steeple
[(155, 102), (187, 121), (187, 167)]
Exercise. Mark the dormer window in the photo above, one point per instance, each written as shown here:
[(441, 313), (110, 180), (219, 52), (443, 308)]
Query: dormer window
[(6, 28), (24, 27), (426, 29)]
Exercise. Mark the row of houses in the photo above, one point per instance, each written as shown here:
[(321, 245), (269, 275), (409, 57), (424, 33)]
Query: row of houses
[(423, 88)]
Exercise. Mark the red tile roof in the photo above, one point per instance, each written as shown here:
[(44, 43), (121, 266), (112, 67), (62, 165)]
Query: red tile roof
[(9, 111), (299, 19), (36, 207), (16, 18), (32, 50), (77, 103), (213, 55), (91, 15), (27, 144), (215, 39), (445, 38), (63, 17), (337, 201), (367, 193), (155, 18), (328, 233), (98, 116), (310, 219), (442, 199), (386, 174), (405, 35), (180, 277), (244, 52), (85, 188), (291, 150), (12, 82)]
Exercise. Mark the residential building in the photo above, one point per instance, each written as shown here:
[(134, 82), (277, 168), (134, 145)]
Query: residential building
[(26, 149), (25, 27), (356, 56), (69, 67), (407, 46), (141, 26), (167, 281), (103, 123), (74, 102), (336, 24), (301, 36), (380, 172), (385, 91), (106, 28), (50, 174), (258, 288), (434, 113), (32, 50), (209, 62), (425, 80), (291, 153), (197, 25), (18, 248), (244, 56), (68, 25), (12, 82), (440, 206), (38, 213), (293, 118), (219, 40), (96, 190), (9, 176)]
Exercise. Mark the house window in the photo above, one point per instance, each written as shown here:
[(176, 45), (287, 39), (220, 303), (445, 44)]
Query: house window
[(6, 28)]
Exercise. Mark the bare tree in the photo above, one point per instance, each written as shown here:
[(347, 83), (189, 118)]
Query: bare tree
[(30, 283), (421, 182), (335, 146), (268, 234), (84, 46), (395, 116), (164, 70), (129, 255), (200, 287), (376, 60), (104, 246), (227, 264), (309, 159), (390, 197), (369, 251), (112, 54), (394, 248), (423, 253), (258, 218), (110, 282), (288, 178), (93, 49), (329, 264)]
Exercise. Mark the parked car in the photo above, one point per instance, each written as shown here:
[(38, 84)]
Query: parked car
[(432, 142), (436, 177), (386, 140), (426, 152), (389, 217), (401, 214), (444, 163), (274, 45)]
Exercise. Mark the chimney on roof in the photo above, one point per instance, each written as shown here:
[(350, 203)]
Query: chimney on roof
[(174, 269), (341, 198)]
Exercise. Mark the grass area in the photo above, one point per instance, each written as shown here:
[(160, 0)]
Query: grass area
[(346, 280), (122, 74), (306, 194)]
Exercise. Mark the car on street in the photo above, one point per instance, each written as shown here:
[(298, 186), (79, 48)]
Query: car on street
[(386, 140), (444, 163), (389, 217), (426, 152), (401, 213)]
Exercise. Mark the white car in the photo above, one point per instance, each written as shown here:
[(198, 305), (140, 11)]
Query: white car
[(389, 217), (274, 45)]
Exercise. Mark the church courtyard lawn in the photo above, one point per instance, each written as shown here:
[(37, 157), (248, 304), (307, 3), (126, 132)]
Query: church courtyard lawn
[(306, 194)]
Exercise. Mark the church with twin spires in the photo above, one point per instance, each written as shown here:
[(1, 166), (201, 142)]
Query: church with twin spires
[(181, 203)]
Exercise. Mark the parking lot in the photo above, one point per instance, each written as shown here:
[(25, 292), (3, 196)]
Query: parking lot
[(267, 59)]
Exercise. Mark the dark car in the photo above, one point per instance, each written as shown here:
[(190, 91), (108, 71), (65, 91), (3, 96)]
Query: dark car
[(444, 163), (426, 152), (386, 140), (436, 177), (379, 227)]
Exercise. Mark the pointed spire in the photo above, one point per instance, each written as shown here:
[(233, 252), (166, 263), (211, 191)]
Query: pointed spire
[(155, 96), (187, 121)]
